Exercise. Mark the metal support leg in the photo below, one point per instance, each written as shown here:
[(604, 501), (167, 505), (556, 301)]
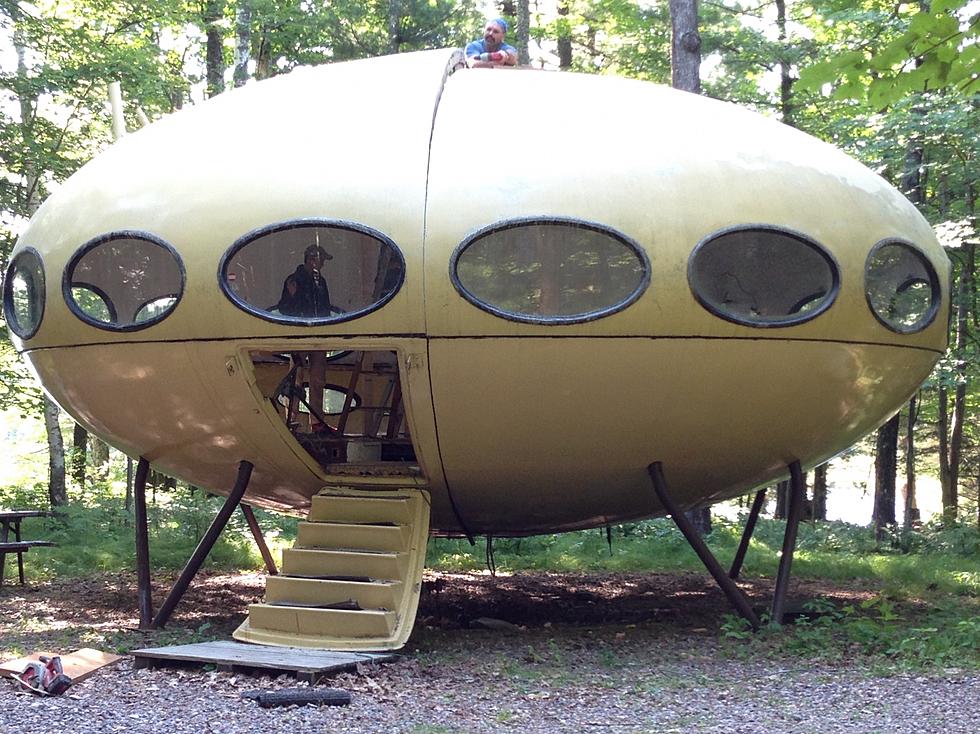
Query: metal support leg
[(204, 547), (794, 511), (253, 525), (734, 594), (743, 546), (20, 555), (143, 589)]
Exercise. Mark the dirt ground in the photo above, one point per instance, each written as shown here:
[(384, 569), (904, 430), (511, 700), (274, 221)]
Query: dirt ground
[(106, 604), (582, 652)]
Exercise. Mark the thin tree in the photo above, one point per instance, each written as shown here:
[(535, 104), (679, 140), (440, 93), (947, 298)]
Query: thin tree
[(886, 461), (685, 67)]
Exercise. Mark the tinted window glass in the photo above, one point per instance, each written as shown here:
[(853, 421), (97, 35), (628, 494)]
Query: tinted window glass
[(23, 297), (312, 271), (762, 277), (92, 303), (110, 281), (901, 286), (550, 271)]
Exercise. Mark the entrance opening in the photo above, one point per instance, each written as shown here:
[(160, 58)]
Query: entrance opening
[(344, 407)]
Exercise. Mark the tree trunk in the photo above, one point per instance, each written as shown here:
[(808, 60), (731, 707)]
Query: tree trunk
[(394, 26), (886, 466), (685, 62), (951, 492), (820, 492), (215, 58), (79, 452), (685, 46), (564, 38), (243, 41), (785, 79), (523, 32), (910, 511), (782, 496), (56, 455)]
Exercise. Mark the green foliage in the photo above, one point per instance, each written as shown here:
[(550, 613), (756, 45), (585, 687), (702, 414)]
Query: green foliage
[(897, 50), (98, 535), (941, 636), (932, 558)]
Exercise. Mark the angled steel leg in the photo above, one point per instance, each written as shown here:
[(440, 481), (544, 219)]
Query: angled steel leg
[(204, 547), (734, 594), (253, 525), (794, 512), (143, 589), (743, 546)]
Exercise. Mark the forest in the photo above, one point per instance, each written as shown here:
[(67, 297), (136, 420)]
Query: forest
[(896, 85)]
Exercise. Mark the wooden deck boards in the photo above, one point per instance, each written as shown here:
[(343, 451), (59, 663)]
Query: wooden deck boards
[(307, 665)]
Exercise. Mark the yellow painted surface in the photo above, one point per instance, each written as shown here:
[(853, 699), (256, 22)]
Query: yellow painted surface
[(530, 427)]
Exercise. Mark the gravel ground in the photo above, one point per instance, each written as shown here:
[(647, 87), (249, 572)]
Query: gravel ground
[(597, 667), (559, 680)]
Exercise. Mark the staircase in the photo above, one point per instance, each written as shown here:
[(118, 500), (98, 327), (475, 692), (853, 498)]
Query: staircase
[(352, 580)]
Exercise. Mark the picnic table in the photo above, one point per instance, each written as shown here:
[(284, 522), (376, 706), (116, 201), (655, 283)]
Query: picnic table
[(10, 520)]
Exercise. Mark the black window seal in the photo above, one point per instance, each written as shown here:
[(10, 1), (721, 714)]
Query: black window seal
[(935, 290), (120, 234), (109, 306), (515, 222), (829, 298), (305, 223), (8, 295)]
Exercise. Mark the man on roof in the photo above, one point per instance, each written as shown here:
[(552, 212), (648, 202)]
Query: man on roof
[(491, 51)]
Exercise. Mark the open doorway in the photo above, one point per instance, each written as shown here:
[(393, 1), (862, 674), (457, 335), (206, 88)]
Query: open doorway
[(345, 408)]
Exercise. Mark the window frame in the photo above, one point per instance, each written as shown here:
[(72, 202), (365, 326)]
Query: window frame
[(304, 223), (9, 313), (935, 289), (515, 222), (119, 234), (830, 297)]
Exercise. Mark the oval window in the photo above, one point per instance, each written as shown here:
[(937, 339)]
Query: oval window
[(312, 271), (23, 293), (901, 287), (124, 281), (549, 270), (763, 276)]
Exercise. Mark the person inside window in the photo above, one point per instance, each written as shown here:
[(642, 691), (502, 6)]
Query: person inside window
[(305, 292), (491, 51)]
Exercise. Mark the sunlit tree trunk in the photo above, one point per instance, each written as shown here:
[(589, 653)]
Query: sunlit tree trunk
[(215, 61), (910, 510), (56, 455), (523, 32), (30, 193), (785, 78), (685, 64), (685, 46), (564, 38), (243, 40)]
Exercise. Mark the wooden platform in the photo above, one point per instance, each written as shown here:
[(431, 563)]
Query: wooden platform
[(228, 655)]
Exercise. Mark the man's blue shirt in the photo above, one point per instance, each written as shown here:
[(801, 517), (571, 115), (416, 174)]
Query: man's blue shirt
[(480, 47)]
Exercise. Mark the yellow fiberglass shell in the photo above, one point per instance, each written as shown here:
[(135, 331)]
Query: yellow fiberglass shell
[(518, 427)]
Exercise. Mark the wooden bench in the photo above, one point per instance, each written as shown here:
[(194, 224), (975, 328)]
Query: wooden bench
[(20, 547)]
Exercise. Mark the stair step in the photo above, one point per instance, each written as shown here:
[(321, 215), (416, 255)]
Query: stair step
[(321, 563), (321, 622), (394, 508), (347, 536), (321, 592)]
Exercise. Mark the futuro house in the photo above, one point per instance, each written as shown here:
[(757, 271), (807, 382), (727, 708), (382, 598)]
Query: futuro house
[(526, 287)]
